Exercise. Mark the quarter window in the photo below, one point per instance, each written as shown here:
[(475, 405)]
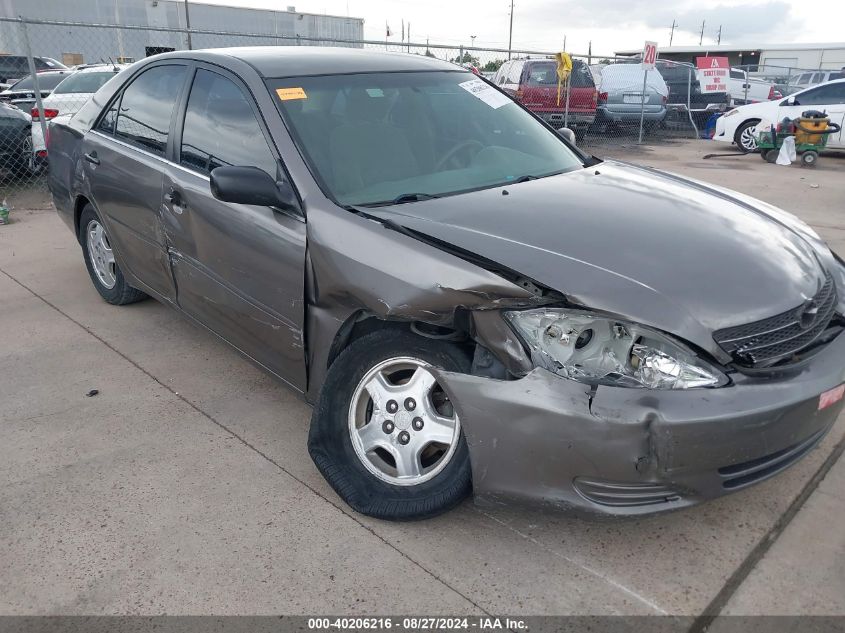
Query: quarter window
[(221, 128), (107, 123), (147, 107)]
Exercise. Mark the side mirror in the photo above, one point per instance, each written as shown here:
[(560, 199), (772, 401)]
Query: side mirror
[(251, 185), (568, 134)]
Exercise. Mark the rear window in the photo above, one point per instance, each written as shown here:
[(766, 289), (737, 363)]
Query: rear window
[(46, 62), (46, 81), (674, 73), (545, 74), (83, 83)]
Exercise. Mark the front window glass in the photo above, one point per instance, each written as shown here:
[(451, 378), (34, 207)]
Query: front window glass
[(824, 95), (83, 83), (221, 128), (371, 138)]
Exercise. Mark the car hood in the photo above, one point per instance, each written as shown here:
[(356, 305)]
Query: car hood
[(654, 248)]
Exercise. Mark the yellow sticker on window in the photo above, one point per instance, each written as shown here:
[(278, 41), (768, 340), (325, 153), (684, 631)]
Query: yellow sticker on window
[(286, 94)]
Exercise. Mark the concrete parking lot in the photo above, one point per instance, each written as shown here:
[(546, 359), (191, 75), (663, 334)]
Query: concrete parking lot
[(184, 485)]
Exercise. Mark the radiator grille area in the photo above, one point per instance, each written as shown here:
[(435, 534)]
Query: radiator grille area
[(767, 342)]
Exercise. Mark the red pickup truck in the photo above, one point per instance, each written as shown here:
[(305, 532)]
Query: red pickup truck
[(533, 82)]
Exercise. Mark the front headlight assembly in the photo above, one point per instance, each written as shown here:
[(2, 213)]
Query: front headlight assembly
[(597, 349)]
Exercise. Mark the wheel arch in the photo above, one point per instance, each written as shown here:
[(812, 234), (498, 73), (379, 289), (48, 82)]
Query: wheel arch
[(362, 322), (738, 131), (78, 205)]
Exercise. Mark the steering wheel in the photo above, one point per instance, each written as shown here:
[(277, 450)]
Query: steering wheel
[(455, 150)]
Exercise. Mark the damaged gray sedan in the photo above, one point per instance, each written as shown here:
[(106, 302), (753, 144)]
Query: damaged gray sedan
[(471, 303)]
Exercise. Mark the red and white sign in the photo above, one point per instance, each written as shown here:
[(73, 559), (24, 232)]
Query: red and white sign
[(649, 55), (713, 73), (831, 397)]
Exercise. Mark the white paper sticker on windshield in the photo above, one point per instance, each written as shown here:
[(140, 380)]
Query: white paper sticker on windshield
[(487, 93)]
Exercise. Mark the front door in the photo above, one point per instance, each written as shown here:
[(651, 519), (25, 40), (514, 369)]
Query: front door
[(239, 269), (124, 163)]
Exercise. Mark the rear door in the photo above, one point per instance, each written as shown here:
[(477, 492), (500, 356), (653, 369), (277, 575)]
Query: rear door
[(239, 269), (125, 157)]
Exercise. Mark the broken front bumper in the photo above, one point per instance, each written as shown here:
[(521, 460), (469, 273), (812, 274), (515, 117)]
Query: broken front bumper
[(624, 451)]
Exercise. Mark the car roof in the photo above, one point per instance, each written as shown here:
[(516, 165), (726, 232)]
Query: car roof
[(299, 61)]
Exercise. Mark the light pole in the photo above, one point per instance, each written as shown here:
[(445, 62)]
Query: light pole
[(188, 24), (472, 37), (510, 32)]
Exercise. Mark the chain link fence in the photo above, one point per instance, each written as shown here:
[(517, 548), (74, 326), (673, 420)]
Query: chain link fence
[(49, 69)]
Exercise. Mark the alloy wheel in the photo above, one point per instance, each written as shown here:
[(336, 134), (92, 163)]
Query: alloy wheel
[(747, 139), (101, 255), (402, 425)]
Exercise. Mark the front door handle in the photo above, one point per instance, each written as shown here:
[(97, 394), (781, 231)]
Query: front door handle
[(91, 157)]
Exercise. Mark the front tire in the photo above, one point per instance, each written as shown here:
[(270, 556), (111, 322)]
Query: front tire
[(384, 433), (99, 259), (744, 136)]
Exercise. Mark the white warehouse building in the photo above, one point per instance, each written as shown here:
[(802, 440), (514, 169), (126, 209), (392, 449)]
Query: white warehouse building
[(85, 31), (822, 56)]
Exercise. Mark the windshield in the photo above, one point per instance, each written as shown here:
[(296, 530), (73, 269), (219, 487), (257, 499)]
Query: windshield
[(372, 138), (46, 81), (83, 83)]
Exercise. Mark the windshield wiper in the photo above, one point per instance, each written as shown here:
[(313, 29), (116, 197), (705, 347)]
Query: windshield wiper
[(402, 199), (524, 178)]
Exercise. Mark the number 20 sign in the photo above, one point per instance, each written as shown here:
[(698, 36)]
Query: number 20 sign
[(649, 55)]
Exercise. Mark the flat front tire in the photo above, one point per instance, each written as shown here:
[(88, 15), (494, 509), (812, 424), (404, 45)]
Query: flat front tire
[(385, 435), (100, 261)]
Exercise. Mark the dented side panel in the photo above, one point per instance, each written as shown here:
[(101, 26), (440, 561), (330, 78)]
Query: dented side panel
[(529, 438), (359, 266), (238, 270)]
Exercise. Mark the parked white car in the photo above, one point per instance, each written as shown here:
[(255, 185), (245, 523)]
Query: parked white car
[(67, 98), (738, 125)]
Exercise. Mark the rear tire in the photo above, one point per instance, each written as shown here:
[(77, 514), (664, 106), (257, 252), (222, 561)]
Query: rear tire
[(744, 136), (99, 260), (437, 477)]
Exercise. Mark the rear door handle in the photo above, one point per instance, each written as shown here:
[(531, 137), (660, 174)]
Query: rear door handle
[(174, 199), (91, 157)]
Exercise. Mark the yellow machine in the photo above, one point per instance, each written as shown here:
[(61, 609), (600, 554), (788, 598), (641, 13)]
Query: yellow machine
[(810, 130)]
